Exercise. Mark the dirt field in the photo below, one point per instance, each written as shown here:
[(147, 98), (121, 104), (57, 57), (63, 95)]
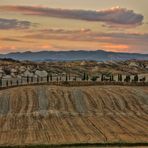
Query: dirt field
[(65, 115)]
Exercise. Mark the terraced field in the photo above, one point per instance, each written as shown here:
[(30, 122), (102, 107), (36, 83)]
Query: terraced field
[(32, 115)]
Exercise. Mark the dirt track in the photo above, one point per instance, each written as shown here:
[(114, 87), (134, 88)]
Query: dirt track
[(55, 115)]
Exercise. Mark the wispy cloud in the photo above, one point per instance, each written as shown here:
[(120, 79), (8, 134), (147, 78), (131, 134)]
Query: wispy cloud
[(14, 24), (109, 41), (116, 16), (87, 35), (10, 40)]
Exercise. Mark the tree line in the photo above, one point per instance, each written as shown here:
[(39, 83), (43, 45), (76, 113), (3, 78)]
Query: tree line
[(85, 77)]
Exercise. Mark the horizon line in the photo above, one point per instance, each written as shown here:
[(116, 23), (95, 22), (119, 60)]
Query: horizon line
[(21, 52)]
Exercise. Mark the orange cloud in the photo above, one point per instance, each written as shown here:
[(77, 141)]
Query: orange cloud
[(116, 48), (46, 46)]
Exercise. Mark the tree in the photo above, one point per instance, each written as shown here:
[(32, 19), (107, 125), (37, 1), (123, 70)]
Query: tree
[(94, 78), (87, 77), (7, 71), (7, 83), (127, 79), (84, 76), (119, 77), (69, 76), (27, 79), (17, 82), (102, 77), (11, 82), (75, 78), (111, 78), (0, 81), (143, 79), (51, 77), (37, 79), (47, 78), (136, 78), (66, 78)]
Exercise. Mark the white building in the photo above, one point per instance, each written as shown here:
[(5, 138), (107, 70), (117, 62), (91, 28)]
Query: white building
[(27, 73), (42, 73)]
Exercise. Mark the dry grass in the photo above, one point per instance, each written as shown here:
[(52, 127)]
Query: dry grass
[(36, 115)]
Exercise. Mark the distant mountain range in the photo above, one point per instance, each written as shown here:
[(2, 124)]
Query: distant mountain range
[(98, 55)]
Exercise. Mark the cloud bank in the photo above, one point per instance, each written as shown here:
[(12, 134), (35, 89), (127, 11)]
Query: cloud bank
[(87, 35), (116, 16), (14, 24)]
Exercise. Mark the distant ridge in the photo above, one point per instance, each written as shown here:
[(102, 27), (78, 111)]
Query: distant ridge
[(98, 55)]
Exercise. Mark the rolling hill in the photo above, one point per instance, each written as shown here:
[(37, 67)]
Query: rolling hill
[(36, 115), (98, 55)]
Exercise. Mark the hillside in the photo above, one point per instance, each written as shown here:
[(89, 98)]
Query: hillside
[(68, 115), (98, 55), (9, 66)]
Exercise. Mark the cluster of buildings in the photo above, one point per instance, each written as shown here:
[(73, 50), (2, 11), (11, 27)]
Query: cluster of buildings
[(18, 75)]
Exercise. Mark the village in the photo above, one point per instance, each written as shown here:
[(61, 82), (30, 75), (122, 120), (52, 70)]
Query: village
[(26, 75)]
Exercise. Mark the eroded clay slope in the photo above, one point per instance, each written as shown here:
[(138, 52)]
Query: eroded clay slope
[(54, 114)]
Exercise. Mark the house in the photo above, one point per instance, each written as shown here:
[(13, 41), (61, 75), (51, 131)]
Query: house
[(116, 78), (27, 73), (7, 77), (42, 73), (106, 78), (14, 72), (22, 69), (132, 77), (1, 73), (146, 66), (133, 64), (143, 77), (83, 63)]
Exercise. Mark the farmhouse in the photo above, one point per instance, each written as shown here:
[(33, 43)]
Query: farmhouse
[(42, 73), (27, 73)]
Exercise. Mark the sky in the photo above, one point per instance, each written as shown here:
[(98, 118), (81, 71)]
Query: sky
[(56, 25)]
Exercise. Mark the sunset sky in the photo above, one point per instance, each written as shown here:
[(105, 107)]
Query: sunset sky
[(36, 25)]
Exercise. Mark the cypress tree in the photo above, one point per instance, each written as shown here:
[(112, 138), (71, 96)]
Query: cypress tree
[(7, 83), (127, 78), (51, 77), (17, 82), (66, 78), (11, 82), (120, 77), (69, 76), (1, 82), (102, 77), (47, 78), (136, 78), (87, 77), (27, 79), (75, 78), (37, 79), (84, 76)]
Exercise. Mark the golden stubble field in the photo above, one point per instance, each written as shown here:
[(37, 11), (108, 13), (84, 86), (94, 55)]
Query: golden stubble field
[(31, 115)]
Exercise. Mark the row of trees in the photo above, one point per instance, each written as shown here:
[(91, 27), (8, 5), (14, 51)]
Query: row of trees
[(85, 77), (111, 78)]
